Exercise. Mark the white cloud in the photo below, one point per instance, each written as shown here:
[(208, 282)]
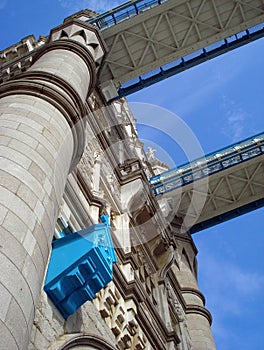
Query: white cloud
[(235, 122), (95, 5), (229, 289), (246, 283), (224, 280), (243, 282), (235, 126)]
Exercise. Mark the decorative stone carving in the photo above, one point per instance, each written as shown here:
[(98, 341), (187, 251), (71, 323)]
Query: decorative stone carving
[(119, 314), (85, 165), (175, 303), (90, 163), (129, 166), (113, 185), (20, 59), (113, 188), (83, 34), (180, 315)]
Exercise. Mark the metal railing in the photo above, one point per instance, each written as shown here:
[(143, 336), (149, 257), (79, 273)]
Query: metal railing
[(123, 12), (208, 165)]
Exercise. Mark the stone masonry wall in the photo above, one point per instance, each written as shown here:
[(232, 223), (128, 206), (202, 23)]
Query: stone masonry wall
[(50, 331)]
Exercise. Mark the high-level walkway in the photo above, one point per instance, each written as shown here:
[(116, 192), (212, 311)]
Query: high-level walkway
[(149, 40), (222, 185)]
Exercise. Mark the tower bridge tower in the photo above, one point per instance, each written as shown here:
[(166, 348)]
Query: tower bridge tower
[(89, 258)]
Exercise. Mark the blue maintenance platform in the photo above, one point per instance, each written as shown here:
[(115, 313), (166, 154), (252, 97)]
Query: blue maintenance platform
[(81, 264)]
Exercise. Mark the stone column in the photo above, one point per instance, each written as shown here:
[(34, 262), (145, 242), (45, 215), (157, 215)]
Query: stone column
[(42, 138), (197, 316)]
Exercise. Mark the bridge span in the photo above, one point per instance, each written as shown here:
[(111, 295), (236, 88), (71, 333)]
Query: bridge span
[(150, 40), (222, 185)]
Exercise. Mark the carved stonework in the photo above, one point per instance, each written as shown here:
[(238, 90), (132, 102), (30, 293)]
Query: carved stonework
[(90, 163), (20, 57), (86, 164), (112, 183), (175, 305), (177, 309), (119, 314), (129, 166), (114, 187)]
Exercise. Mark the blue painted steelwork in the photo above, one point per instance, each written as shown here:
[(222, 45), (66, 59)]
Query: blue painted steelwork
[(81, 264), (105, 220), (187, 62), (208, 165), (123, 12), (228, 216)]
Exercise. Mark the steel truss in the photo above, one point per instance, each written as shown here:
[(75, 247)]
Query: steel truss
[(161, 34)]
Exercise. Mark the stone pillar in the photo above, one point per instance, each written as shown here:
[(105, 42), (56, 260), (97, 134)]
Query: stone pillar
[(197, 316), (42, 138), (122, 231)]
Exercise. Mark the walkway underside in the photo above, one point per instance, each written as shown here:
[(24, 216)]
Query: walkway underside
[(161, 34), (221, 196)]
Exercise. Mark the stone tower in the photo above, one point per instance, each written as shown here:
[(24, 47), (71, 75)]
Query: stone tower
[(67, 158)]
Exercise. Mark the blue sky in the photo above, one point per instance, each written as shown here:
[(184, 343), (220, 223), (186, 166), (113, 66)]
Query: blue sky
[(222, 102)]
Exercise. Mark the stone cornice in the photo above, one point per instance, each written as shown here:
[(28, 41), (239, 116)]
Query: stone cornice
[(196, 309), (50, 94), (195, 292), (62, 85)]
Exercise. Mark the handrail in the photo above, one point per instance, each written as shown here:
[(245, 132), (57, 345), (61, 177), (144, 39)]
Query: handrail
[(123, 12), (208, 165)]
